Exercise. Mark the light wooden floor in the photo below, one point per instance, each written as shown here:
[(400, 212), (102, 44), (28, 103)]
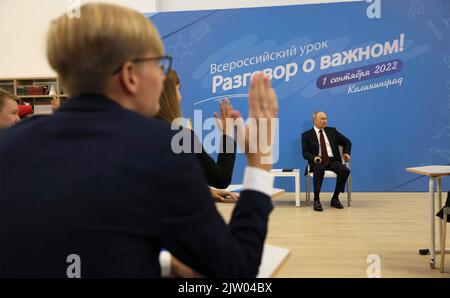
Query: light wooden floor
[(336, 243)]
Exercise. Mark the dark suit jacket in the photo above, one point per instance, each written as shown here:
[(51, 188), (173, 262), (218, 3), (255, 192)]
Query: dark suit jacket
[(102, 182), (218, 174), (310, 144)]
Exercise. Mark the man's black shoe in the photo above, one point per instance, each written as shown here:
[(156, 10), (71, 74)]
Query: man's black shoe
[(317, 206), (336, 204)]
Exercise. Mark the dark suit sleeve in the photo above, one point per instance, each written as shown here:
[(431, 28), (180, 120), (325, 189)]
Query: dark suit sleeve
[(218, 174), (196, 234), (305, 148), (344, 142)]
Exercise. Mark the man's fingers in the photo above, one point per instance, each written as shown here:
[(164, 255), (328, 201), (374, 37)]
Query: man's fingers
[(272, 101), (218, 197), (253, 95), (235, 114), (233, 196), (222, 110), (241, 134), (263, 95), (227, 107), (225, 194)]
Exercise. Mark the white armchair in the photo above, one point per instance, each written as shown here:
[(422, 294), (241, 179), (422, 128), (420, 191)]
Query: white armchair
[(330, 174)]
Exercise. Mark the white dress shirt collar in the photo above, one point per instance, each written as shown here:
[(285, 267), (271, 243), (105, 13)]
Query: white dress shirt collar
[(317, 130)]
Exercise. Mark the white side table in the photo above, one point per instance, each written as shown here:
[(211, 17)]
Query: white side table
[(433, 172), (296, 174)]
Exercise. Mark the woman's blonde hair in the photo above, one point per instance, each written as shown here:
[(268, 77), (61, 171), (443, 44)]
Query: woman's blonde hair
[(168, 102), (85, 51)]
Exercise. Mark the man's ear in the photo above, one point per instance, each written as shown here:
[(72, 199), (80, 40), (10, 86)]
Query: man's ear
[(128, 78)]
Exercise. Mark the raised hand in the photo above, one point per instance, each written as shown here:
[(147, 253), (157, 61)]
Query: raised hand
[(226, 112), (255, 138)]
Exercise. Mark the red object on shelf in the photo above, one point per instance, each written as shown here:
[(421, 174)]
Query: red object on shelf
[(36, 90), (25, 110)]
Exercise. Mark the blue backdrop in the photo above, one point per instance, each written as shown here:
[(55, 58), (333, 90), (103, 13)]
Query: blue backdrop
[(399, 118)]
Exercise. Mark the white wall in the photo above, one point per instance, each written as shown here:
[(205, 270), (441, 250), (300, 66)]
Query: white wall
[(23, 27), (24, 23)]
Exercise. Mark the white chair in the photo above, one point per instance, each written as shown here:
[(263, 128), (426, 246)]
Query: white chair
[(444, 227), (330, 174)]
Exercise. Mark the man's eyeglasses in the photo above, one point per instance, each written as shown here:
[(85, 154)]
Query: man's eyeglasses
[(165, 63)]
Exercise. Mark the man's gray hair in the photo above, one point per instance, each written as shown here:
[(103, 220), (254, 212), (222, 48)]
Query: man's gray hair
[(315, 114)]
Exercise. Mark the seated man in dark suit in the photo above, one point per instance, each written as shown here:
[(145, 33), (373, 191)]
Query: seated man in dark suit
[(102, 197), (320, 147)]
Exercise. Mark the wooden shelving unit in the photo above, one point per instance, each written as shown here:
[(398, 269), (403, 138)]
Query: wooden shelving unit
[(18, 86)]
